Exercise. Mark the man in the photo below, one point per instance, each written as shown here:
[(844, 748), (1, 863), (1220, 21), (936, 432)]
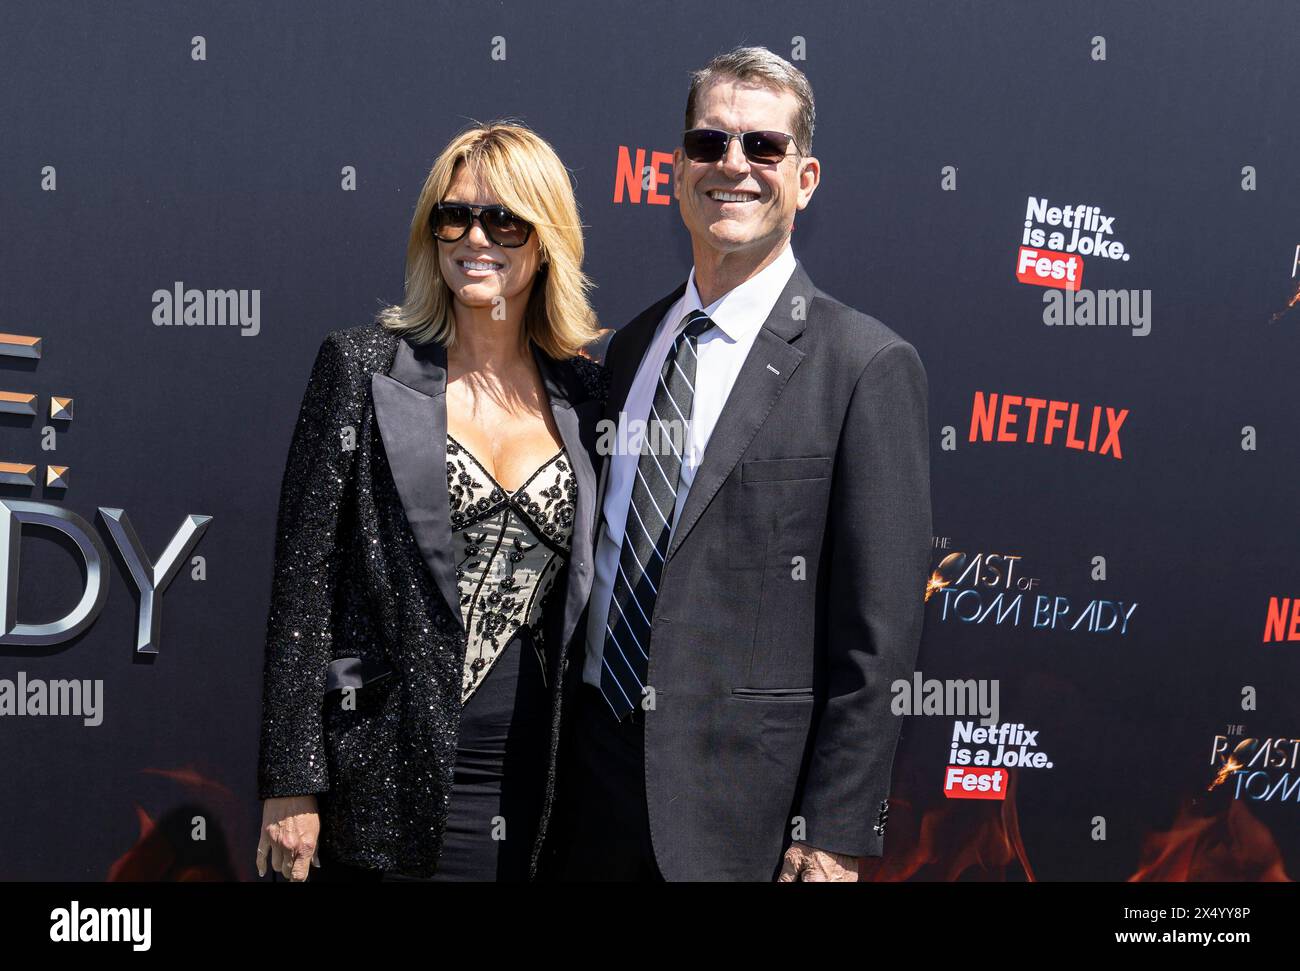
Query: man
[(759, 579)]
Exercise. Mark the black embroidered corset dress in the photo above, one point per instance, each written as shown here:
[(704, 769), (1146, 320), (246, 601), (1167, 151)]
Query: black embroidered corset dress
[(509, 547)]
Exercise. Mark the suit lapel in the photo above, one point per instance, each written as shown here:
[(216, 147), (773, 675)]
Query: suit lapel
[(571, 419), (762, 378), (411, 409)]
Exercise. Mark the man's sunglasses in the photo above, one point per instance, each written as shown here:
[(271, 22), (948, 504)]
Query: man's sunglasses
[(710, 144), (452, 220)]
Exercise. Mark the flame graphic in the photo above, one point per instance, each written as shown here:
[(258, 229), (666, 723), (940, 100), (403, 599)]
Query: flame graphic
[(1295, 298), (937, 579), (1231, 845), (167, 848), (1238, 758), (1229, 767), (942, 845)]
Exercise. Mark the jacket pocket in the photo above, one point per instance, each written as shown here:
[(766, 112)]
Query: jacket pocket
[(773, 694), (772, 470), (361, 701)]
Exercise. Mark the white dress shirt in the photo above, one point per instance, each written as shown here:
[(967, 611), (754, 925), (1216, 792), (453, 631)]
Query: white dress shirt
[(738, 315)]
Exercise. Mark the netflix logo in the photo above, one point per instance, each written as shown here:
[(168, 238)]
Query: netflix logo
[(1283, 620), (1037, 421), (635, 178)]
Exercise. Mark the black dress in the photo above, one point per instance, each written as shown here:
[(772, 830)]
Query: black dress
[(510, 546)]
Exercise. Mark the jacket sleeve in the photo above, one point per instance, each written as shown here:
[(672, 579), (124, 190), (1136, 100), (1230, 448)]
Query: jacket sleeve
[(879, 538), (318, 477)]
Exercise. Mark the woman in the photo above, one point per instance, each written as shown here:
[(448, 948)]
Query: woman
[(434, 542)]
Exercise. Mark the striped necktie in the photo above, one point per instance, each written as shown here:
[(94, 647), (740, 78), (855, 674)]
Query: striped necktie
[(626, 659)]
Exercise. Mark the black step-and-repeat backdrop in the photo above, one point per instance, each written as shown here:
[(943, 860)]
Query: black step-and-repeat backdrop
[(1086, 218)]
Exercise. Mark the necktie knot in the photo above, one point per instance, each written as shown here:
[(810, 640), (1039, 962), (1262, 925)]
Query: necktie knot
[(699, 323)]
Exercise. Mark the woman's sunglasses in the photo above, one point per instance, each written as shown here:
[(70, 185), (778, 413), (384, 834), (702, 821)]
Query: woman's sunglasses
[(452, 220), (710, 144)]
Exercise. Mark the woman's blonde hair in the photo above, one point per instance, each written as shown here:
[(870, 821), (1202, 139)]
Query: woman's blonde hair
[(529, 179)]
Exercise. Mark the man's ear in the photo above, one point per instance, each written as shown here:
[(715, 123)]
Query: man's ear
[(810, 176), (678, 158)]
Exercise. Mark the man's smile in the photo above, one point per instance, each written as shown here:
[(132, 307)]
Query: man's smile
[(732, 195)]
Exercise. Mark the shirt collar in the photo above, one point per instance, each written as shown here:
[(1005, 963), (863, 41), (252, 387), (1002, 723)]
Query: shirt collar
[(745, 308)]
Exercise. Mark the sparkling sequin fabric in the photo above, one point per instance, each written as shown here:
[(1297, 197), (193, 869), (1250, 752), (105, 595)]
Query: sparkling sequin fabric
[(510, 546), (350, 585)]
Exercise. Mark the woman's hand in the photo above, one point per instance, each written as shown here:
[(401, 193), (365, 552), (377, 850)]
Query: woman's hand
[(290, 829)]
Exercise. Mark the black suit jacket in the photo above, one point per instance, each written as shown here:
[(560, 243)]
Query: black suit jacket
[(792, 595), (364, 595)]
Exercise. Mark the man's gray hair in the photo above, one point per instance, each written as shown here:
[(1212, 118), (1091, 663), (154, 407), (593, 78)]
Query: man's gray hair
[(759, 65)]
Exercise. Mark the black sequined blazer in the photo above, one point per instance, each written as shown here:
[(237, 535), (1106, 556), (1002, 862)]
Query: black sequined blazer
[(364, 595)]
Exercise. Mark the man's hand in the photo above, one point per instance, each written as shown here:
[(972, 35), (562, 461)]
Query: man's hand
[(811, 865)]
